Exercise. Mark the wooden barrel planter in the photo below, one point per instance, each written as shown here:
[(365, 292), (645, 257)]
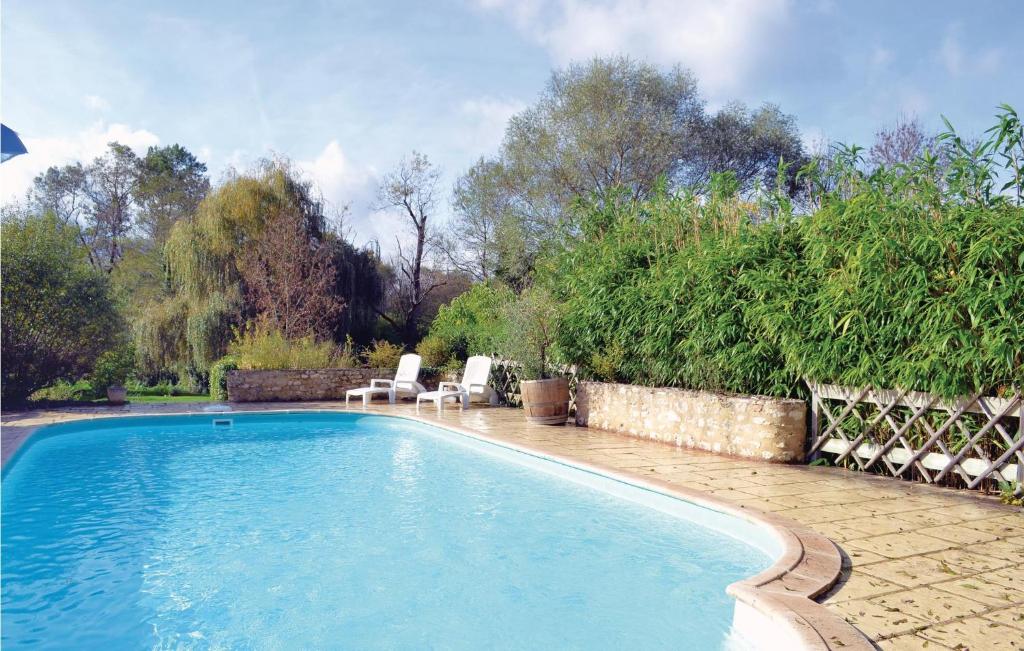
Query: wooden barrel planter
[(546, 401)]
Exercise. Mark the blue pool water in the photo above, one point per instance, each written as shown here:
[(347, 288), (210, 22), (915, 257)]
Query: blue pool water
[(343, 531)]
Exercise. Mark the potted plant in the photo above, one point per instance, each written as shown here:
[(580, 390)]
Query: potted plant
[(110, 373), (530, 340)]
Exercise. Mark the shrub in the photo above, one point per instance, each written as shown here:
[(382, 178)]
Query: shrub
[(473, 323), (383, 354), (112, 369), (163, 388), (58, 314), (652, 296), (434, 351), (65, 391), (261, 349), (218, 376)]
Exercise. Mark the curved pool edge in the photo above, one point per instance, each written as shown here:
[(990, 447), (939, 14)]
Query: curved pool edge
[(775, 608)]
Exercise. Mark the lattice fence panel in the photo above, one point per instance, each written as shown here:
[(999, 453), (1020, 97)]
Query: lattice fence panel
[(976, 441), (506, 375)]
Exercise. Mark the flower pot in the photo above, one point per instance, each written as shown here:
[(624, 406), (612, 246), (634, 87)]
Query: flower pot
[(546, 401), (116, 394)]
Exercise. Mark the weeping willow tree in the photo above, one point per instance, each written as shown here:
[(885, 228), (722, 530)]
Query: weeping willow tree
[(207, 298), (193, 326)]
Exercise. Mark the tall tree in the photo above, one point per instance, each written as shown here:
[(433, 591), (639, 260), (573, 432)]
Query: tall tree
[(750, 144), (605, 124), (480, 202), (607, 127), (411, 190), (171, 183), (289, 278), (60, 190), (110, 186)]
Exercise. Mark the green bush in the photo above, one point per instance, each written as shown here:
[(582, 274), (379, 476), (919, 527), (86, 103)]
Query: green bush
[(65, 391), (474, 322), (260, 349), (651, 295), (434, 351), (383, 354), (112, 369), (218, 376), (58, 314)]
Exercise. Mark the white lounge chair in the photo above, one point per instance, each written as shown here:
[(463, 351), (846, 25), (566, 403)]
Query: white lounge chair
[(405, 383), (474, 383)]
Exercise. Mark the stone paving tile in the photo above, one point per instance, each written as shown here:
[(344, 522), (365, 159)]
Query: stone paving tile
[(839, 532), (981, 588), (1010, 549), (1004, 526), (1011, 577), (931, 605), (929, 517), (975, 634), (877, 621), (817, 514), (914, 571), (859, 558), (879, 525), (910, 643), (966, 558), (898, 545), (856, 585), (1012, 617), (960, 534)]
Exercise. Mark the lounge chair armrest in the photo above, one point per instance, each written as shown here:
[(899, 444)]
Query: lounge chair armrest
[(381, 383), (477, 386), (449, 386)]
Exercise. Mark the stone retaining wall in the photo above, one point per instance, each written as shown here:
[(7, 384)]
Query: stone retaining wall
[(296, 385), (758, 427)]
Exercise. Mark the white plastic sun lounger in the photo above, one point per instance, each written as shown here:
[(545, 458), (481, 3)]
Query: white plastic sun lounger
[(405, 383), (474, 383)]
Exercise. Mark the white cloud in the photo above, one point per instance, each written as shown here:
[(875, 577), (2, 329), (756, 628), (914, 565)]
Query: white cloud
[(958, 61), (340, 180), (345, 184), (720, 40), (485, 121), (952, 54), (16, 174), (97, 103)]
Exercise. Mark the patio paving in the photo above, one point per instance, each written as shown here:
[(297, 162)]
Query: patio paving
[(924, 567)]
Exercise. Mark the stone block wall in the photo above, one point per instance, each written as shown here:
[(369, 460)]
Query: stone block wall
[(311, 384), (758, 427)]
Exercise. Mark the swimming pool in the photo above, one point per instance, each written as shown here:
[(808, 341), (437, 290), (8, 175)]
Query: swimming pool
[(327, 530)]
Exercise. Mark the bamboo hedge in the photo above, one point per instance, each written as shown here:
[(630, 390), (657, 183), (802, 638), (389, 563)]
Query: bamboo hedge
[(909, 277)]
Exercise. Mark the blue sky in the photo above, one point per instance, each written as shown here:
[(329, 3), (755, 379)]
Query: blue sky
[(346, 88)]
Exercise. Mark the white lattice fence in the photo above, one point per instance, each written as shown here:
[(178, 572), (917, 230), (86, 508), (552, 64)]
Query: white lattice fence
[(970, 441)]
